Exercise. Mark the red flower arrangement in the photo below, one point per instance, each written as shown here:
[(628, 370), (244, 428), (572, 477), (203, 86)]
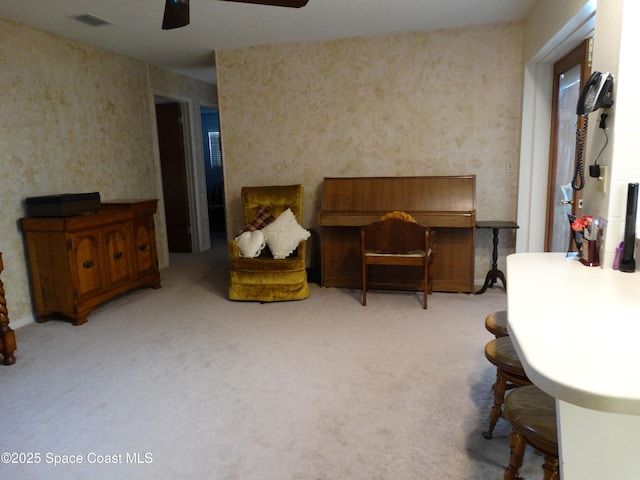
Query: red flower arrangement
[(587, 231), (582, 223)]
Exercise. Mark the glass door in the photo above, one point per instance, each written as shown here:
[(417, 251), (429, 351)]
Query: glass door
[(570, 73)]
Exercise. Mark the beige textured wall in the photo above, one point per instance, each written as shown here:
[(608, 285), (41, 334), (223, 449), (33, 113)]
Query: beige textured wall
[(544, 20), (433, 103), (74, 119)]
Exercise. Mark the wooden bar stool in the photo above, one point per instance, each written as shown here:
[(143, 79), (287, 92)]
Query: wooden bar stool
[(509, 374), (532, 415), (496, 323)]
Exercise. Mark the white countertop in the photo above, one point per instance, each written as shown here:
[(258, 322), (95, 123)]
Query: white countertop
[(577, 330)]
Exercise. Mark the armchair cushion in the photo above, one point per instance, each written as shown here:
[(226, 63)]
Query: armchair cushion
[(259, 221), (251, 244), (284, 235)]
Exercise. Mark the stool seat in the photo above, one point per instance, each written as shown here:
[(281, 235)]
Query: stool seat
[(509, 374), (532, 415), (503, 355), (496, 323)]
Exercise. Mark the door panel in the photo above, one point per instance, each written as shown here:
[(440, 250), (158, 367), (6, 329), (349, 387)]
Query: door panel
[(570, 73), (563, 195), (174, 176)]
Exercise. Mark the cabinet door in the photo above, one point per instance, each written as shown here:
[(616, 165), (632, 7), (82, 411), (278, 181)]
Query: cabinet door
[(86, 263), (118, 246), (144, 245)]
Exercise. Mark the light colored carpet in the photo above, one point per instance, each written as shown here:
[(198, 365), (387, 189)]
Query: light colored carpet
[(180, 383)]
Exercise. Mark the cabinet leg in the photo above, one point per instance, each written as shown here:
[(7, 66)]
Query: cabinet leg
[(79, 320), (7, 336), (75, 319), (9, 360), (8, 347)]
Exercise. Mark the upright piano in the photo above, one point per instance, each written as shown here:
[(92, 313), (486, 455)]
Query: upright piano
[(444, 203)]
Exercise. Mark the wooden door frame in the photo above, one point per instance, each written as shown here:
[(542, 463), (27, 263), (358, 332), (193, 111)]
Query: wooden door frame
[(579, 55)]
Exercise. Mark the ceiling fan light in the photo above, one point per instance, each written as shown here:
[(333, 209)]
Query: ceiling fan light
[(176, 14)]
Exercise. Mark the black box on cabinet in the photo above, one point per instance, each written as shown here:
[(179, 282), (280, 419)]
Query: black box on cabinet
[(63, 205)]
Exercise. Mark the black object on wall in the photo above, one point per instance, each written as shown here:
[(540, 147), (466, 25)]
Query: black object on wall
[(628, 263), (176, 14)]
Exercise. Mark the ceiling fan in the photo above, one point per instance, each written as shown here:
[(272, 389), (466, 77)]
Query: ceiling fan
[(176, 12)]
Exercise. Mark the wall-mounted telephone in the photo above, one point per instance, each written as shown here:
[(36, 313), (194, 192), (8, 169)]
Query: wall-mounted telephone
[(597, 93)]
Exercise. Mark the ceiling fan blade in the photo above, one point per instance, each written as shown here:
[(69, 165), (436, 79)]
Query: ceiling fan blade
[(276, 3), (176, 14)]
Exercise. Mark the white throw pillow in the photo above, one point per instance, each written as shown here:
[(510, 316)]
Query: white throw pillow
[(251, 243), (284, 235)]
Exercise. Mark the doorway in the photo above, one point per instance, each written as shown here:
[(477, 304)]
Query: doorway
[(563, 200), (213, 172), (188, 219)]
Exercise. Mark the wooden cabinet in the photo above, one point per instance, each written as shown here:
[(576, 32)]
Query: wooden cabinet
[(79, 262)]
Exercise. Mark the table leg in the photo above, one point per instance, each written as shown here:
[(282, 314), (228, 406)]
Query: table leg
[(494, 274)]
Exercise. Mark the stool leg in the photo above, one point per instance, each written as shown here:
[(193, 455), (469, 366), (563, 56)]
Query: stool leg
[(551, 468), (517, 445), (498, 399)]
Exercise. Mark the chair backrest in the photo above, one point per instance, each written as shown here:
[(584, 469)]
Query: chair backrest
[(276, 198), (395, 236)]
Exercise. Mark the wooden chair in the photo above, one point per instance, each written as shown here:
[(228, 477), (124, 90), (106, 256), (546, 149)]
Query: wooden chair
[(509, 374), (496, 323), (532, 415), (397, 242)]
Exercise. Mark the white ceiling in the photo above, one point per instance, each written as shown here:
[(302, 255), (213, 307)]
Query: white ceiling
[(136, 31)]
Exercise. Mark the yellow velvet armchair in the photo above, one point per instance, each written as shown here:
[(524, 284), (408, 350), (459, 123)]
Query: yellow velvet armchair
[(265, 278)]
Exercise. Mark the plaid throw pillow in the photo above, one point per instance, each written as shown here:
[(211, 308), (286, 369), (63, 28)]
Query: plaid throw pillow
[(261, 220)]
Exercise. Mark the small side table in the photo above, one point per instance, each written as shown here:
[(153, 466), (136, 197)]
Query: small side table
[(494, 274)]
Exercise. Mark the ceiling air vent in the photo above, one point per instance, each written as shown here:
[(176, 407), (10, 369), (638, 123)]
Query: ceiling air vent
[(91, 20)]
